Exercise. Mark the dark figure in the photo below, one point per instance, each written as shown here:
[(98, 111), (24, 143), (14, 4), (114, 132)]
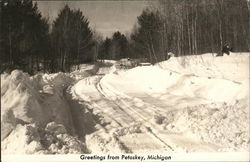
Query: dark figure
[(226, 49)]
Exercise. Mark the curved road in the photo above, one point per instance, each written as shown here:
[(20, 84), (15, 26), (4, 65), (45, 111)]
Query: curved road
[(120, 111)]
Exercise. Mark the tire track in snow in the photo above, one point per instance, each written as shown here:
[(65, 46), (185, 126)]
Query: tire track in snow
[(126, 117), (136, 114), (75, 105), (100, 89), (104, 105), (150, 130), (168, 141)]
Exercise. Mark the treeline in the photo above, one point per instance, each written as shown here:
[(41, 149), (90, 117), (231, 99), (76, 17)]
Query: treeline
[(183, 27), (24, 37), (187, 27), (27, 42), (115, 48), (72, 40)]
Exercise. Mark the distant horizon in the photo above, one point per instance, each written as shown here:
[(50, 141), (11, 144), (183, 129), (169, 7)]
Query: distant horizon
[(105, 17)]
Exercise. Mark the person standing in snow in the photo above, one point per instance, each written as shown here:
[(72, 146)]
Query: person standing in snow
[(226, 48)]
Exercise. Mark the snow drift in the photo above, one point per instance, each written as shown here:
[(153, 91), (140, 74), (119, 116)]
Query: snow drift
[(36, 116), (217, 79)]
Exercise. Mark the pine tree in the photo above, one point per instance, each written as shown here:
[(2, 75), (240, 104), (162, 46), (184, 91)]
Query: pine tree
[(115, 48), (24, 34), (119, 46), (72, 39), (147, 37)]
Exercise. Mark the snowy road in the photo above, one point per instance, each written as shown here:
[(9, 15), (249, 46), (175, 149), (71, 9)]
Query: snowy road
[(126, 111)]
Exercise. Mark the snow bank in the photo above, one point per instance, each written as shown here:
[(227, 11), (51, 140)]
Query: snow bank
[(234, 67), (223, 125), (30, 139), (20, 99), (106, 70), (84, 70), (139, 79), (102, 142), (226, 80), (36, 115), (108, 61)]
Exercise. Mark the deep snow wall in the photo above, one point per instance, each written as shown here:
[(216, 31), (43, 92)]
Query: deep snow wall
[(36, 114)]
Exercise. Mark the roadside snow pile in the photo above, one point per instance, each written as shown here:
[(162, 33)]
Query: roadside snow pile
[(83, 70), (223, 125), (203, 76), (20, 100), (106, 70), (31, 139), (134, 128), (100, 68), (35, 115), (140, 79), (82, 67), (103, 142), (234, 67), (108, 61)]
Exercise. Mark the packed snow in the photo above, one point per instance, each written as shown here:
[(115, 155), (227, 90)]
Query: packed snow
[(184, 104)]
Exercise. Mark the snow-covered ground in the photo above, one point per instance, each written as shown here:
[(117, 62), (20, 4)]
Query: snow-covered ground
[(185, 104)]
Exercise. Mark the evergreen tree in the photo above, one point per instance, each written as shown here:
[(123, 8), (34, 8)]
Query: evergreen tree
[(105, 51), (115, 48), (119, 46), (24, 33), (72, 39), (148, 38)]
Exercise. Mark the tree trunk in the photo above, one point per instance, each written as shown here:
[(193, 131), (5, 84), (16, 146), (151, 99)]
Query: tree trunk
[(149, 52), (10, 47), (248, 5), (220, 15), (152, 48)]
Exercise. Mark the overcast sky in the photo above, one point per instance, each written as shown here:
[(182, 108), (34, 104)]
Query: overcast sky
[(105, 16)]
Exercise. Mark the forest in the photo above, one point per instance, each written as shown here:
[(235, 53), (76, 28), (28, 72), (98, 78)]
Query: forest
[(184, 27)]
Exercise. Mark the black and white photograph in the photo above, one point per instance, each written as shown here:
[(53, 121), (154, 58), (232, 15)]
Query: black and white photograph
[(125, 80)]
